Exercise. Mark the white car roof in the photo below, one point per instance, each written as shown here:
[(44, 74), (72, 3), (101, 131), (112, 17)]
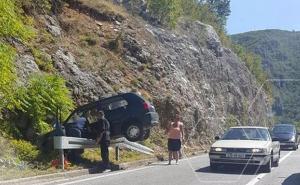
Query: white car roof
[(250, 127)]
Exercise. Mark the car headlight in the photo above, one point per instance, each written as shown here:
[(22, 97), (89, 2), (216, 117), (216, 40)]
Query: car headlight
[(217, 149), (293, 138), (258, 150)]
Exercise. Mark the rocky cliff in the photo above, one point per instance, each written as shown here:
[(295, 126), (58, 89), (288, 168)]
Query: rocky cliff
[(101, 49)]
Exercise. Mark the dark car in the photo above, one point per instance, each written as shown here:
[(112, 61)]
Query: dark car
[(129, 115), (287, 135)]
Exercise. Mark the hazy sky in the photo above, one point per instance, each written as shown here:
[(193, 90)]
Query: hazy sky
[(249, 15)]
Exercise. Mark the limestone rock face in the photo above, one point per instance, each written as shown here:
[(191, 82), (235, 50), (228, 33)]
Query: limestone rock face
[(26, 66), (84, 84), (201, 78)]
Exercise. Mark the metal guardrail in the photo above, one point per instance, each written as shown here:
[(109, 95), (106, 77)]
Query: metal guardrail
[(63, 142)]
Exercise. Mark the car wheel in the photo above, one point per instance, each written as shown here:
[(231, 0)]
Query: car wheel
[(276, 163), (295, 147), (133, 132), (214, 166), (146, 134), (267, 167)]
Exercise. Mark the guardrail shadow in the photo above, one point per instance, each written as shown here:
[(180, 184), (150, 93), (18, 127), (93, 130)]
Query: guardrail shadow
[(98, 168), (293, 179), (231, 169), (94, 166)]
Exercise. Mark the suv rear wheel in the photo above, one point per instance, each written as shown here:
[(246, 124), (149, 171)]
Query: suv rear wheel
[(133, 132)]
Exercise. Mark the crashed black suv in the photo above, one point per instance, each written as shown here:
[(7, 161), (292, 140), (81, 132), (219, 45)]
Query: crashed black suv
[(129, 115)]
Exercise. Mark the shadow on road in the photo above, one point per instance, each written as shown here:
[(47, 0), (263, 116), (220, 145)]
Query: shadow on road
[(158, 164), (292, 180), (234, 170), (287, 149)]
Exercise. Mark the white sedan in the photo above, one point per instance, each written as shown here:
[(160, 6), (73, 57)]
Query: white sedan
[(246, 145)]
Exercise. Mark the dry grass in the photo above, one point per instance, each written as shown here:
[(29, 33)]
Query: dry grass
[(105, 6), (125, 155)]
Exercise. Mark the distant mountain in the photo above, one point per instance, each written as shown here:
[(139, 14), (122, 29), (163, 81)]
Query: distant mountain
[(280, 53)]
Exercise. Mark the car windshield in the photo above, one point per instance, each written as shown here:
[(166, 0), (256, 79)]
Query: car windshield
[(284, 129), (247, 134)]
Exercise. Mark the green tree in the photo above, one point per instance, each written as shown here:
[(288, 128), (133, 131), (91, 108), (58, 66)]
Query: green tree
[(166, 11), (221, 8)]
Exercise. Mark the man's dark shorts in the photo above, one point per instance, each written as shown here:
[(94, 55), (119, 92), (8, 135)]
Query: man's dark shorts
[(174, 145)]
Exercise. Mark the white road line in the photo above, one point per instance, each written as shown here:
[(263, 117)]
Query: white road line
[(126, 171), (36, 177), (260, 176), (108, 175), (283, 158)]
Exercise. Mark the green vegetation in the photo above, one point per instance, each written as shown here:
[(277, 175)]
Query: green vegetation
[(253, 63), (166, 11), (44, 93), (41, 59), (231, 121), (213, 12), (279, 51), (34, 6), (11, 22), (7, 76), (43, 96), (25, 151)]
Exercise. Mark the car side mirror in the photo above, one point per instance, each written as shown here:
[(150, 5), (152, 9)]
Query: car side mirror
[(275, 139), (217, 137)]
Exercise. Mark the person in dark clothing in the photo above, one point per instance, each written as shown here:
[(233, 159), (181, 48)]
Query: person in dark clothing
[(76, 129), (103, 138)]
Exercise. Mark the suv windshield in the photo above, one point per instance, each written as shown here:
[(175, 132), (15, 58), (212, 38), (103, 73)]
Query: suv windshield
[(247, 134), (283, 129)]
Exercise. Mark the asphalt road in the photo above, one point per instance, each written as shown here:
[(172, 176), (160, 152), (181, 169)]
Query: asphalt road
[(193, 171)]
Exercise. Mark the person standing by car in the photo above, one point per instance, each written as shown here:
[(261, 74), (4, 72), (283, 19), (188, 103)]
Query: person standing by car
[(77, 128), (175, 137), (103, 138)]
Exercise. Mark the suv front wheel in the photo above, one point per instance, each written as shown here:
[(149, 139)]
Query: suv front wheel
[(133, 132)]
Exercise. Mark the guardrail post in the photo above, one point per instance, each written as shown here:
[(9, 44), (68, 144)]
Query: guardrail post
[(62, 159), (117, 153)]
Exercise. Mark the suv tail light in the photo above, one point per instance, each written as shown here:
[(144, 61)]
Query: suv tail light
[(146, 106)]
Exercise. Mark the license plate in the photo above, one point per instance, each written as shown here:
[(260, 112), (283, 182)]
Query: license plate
[(235, 155)]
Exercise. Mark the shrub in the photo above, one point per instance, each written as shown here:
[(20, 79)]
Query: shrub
[(115, 44), (42, 60), (25, 151), (43, 96), (90, 41)]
